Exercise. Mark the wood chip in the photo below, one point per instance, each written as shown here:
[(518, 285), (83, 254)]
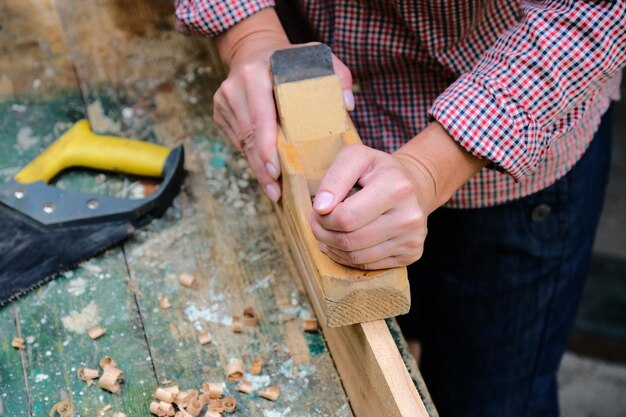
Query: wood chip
[(230, 404), (173, 389), (107, 361), (310, 325), (234, 370), (18, 343), (250, 317), (204, 338), (161, 409), (184, 398), (109, 382), (270, 393), (187, 280), (95, 332), (182, 413), (104, 409), (194, 407), (257, 366), (62, 408), (216, 405), (237, 326), (164, 303), (211, 413), (213, 389), (164, 395), (245, 387), (87, 375)]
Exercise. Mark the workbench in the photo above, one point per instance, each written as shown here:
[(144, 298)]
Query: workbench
[(120, 64)]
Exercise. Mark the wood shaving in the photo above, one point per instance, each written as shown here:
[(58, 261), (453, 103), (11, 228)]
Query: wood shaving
[(230, 404), (245, 387), (234, 371), (187, 280), (194, 407), (250, 317), (95, 332), (204, 338), (173, 389), (211, 413), (107, 361), (164, 395), (111, 376), (237, 326), (62, 408), (87, 375), (109, 382), (104, 409), (164, 303), (310, 325), (161, 408), (270, 393), (213, 389), (18, 343), (216, 405), (257, 366)]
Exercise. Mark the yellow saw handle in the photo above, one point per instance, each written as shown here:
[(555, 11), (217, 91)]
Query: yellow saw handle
[(79, 146)]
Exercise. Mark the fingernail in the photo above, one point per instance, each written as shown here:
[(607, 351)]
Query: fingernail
[(323, 200), (272, 192), (348, 99), (271, 169), (322, 247)]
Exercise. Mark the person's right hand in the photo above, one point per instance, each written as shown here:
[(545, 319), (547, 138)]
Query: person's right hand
[(243, 106)]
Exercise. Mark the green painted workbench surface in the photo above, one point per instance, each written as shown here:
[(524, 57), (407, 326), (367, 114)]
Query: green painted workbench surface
[(121, 64)]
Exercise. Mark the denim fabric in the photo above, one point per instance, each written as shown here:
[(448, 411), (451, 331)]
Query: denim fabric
[(496, 292)]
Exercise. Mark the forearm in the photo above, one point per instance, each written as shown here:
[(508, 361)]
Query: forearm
[(249, 38), (433, 157)]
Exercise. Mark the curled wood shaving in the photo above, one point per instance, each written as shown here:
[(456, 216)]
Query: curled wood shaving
[(310, 325), (204, 338), (185, 397), (216, 405), (245, 387), (109, 382), (104, 409), (250, 317), (107, 361), (161, 408), (230, 404), (213, 389), (173, 389), (87, 375), (164, 303), (18, 343), (164, 395), (194, 407), (234, 370), (257, 366), (237, 326), (187, 280), (182, 413), (62, 408), (270, 393), (95, 332), (211, 413)]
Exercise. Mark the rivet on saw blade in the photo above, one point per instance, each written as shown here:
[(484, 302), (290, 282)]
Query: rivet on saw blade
[(48, 208), (92, 204)]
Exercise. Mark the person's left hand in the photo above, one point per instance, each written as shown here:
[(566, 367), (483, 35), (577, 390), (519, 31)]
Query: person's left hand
[(383, 225)]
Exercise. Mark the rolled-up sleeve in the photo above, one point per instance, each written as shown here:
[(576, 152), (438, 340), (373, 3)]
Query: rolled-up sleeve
[(212, 17), (533, 84)]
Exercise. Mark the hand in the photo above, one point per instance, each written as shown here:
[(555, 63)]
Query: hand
[(244, 103), (383, 225)]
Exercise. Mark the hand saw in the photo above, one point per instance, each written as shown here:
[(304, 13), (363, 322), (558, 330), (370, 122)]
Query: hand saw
[(45, 230)]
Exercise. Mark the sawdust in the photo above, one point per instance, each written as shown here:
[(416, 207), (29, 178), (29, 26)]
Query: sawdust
[(77, 287), (100, 122), (80, 321), (25, 139)]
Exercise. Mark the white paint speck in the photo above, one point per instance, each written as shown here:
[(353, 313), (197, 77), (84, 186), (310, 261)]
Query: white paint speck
[(18, 108), (277, 413), (30, 339), (80, 321), (77, 287), (214, 313), (41, 377), (127, 112), (36, 84), (48, 353), (25, 139)]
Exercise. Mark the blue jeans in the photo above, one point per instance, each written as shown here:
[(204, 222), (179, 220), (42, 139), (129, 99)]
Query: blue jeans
[(496, 292)]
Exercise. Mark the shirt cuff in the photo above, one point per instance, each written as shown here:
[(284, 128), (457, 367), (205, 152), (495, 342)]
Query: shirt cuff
[(210, 17), (484, 118)]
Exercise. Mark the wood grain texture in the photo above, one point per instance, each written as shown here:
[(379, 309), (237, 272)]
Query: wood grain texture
[(316, 127)]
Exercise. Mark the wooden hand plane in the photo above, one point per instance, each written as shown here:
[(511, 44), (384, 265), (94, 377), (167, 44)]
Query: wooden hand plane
[(314, 127)]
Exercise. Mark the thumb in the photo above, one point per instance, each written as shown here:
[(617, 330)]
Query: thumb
[(350, 165), (345, 80)]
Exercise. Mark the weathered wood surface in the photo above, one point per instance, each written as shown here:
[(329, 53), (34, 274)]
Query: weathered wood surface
[(139, 78)]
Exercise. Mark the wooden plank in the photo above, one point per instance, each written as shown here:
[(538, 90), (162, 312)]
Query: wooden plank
[(218, 231), (13, 396), (312, 113), (38, 101)]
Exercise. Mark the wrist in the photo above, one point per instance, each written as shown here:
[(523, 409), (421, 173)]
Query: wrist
[(253, 38), (438, 165)]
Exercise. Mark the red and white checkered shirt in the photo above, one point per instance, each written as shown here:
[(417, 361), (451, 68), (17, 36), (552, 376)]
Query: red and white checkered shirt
[(521, 83)]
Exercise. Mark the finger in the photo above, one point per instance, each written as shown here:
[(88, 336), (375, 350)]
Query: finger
[(390, 262), (368, 255), (376, 232), (260, 98), (345, 80), (351, 163)]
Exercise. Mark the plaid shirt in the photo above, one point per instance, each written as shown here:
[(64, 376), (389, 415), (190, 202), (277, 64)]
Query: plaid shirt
[(521, 83)]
